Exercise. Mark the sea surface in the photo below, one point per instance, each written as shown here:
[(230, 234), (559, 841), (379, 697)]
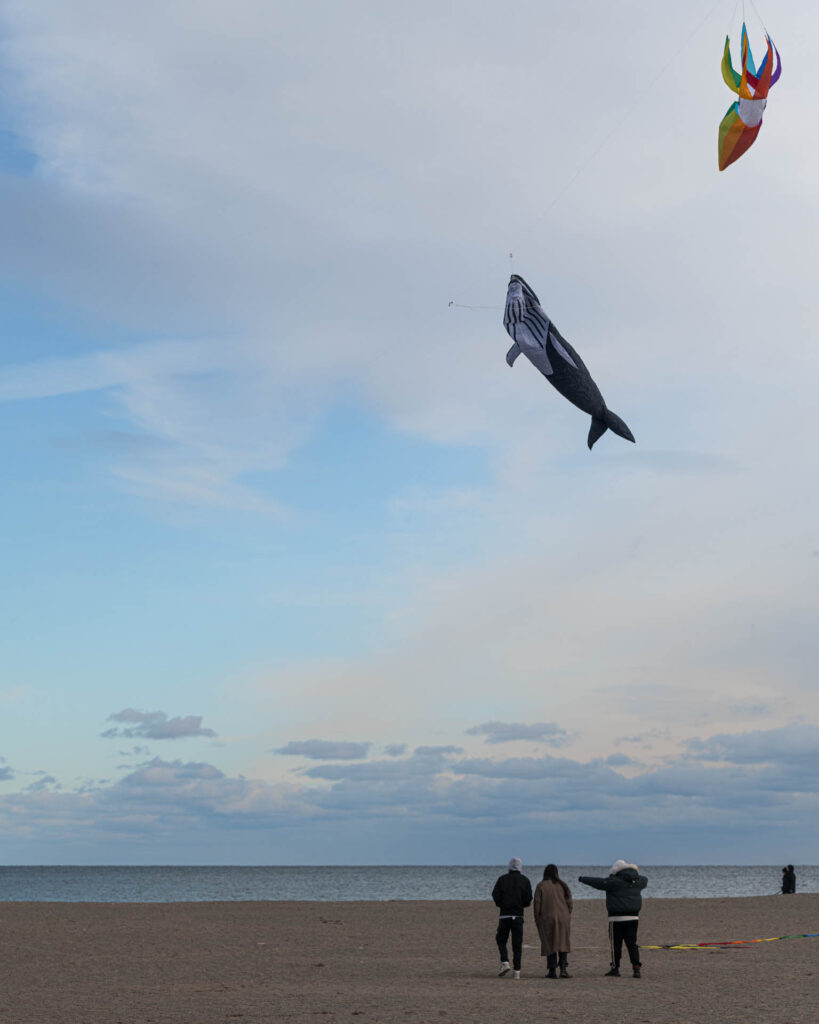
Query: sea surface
[(193, 884)]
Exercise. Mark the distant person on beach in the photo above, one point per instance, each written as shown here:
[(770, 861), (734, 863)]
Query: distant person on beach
[(624, 900), (512, 893), (788, 880), (553, 917)]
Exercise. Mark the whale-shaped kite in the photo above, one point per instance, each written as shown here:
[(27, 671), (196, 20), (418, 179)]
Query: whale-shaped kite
[(740, 126), (539, 340)]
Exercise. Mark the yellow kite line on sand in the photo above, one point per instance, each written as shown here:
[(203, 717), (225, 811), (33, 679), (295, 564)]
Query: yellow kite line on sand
[(735, 942)]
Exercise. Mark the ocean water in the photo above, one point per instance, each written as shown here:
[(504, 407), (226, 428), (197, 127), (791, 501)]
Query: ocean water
[(192, 884)]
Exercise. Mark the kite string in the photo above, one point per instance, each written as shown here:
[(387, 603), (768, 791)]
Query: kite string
[(612, 131), (629, 111), (756, 12), (733, 16)]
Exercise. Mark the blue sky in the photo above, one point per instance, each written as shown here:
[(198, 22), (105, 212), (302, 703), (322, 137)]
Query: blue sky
[(296, 570)]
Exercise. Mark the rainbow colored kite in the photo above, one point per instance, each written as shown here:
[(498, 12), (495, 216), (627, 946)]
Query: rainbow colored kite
[(736, 943), (740, 126)]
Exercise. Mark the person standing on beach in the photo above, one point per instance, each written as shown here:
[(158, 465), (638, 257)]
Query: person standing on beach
[(512, 893), (624, 900), (553, 917), (788, 880)]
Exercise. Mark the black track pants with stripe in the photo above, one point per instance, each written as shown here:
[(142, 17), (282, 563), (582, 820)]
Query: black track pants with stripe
[(620, 932)]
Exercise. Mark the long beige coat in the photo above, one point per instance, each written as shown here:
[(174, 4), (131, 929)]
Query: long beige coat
[(553, 910)]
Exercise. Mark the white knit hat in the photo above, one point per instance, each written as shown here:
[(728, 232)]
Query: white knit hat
[(515, 864)]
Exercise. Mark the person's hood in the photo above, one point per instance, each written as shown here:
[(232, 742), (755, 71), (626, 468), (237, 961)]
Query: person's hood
[(618, 866), (622, 868)]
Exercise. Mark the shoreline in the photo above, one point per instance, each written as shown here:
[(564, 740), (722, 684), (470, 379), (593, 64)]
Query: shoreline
[(396, 961), (194, 884), (468, 900)]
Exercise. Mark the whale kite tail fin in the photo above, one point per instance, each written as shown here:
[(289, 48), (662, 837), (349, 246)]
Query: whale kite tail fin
[(608, 421)]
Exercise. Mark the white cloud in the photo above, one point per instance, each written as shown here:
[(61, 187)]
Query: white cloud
[(336, 235)]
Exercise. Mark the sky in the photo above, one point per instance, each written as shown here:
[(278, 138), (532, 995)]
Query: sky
[(296, 570)]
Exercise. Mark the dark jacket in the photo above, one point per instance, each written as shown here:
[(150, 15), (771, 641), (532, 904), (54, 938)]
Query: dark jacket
[(512, 892), (623, 891)]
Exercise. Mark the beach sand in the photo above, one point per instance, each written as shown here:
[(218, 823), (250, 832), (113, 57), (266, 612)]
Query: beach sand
[(413, 962)]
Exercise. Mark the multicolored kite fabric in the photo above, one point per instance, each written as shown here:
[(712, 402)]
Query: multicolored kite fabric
[(740, 126), (737, 943)]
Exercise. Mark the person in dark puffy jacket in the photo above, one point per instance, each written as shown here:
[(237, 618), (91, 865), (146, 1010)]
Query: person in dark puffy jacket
[(624, 900), (512, 893)]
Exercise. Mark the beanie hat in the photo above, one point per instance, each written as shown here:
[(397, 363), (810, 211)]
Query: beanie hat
[(515, 864)]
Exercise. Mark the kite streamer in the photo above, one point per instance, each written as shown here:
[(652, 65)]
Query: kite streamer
[(734, 942)]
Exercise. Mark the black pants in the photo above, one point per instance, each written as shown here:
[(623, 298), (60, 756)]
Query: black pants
[(620, 932), (513, 926)]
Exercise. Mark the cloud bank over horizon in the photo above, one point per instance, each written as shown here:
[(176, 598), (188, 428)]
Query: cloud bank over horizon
[(162, 808)]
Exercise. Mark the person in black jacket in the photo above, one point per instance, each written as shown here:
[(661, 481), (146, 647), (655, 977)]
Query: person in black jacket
[(788, 879), (512, 893), (623, 889)]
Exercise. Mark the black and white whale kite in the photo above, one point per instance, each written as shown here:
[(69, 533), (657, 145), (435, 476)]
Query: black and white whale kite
[(539, 340)]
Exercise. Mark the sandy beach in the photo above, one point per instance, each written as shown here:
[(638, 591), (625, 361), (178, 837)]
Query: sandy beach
[(254, 962)]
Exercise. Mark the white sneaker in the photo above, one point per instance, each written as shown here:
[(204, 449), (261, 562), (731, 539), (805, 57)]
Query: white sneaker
[(516, 975), (504, 970)]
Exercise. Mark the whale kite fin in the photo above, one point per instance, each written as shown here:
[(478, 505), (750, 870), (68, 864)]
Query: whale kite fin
[(596, 431), (512, 354), (608, 421)]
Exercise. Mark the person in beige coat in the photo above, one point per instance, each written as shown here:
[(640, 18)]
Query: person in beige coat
[(553, 917)]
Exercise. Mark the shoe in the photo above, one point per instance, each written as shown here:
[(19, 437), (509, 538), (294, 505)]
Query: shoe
[(613, 973), (564, 973), (504, 970), (516, 975), (637, 972), (552, 972)]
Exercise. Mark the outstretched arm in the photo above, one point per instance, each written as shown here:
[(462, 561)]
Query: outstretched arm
[(596, 883)]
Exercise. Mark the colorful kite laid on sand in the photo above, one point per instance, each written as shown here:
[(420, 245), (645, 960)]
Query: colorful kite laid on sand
[(741, 124), (539, 340)]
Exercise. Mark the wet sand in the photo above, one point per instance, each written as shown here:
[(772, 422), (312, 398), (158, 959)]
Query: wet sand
[(202, 963)]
